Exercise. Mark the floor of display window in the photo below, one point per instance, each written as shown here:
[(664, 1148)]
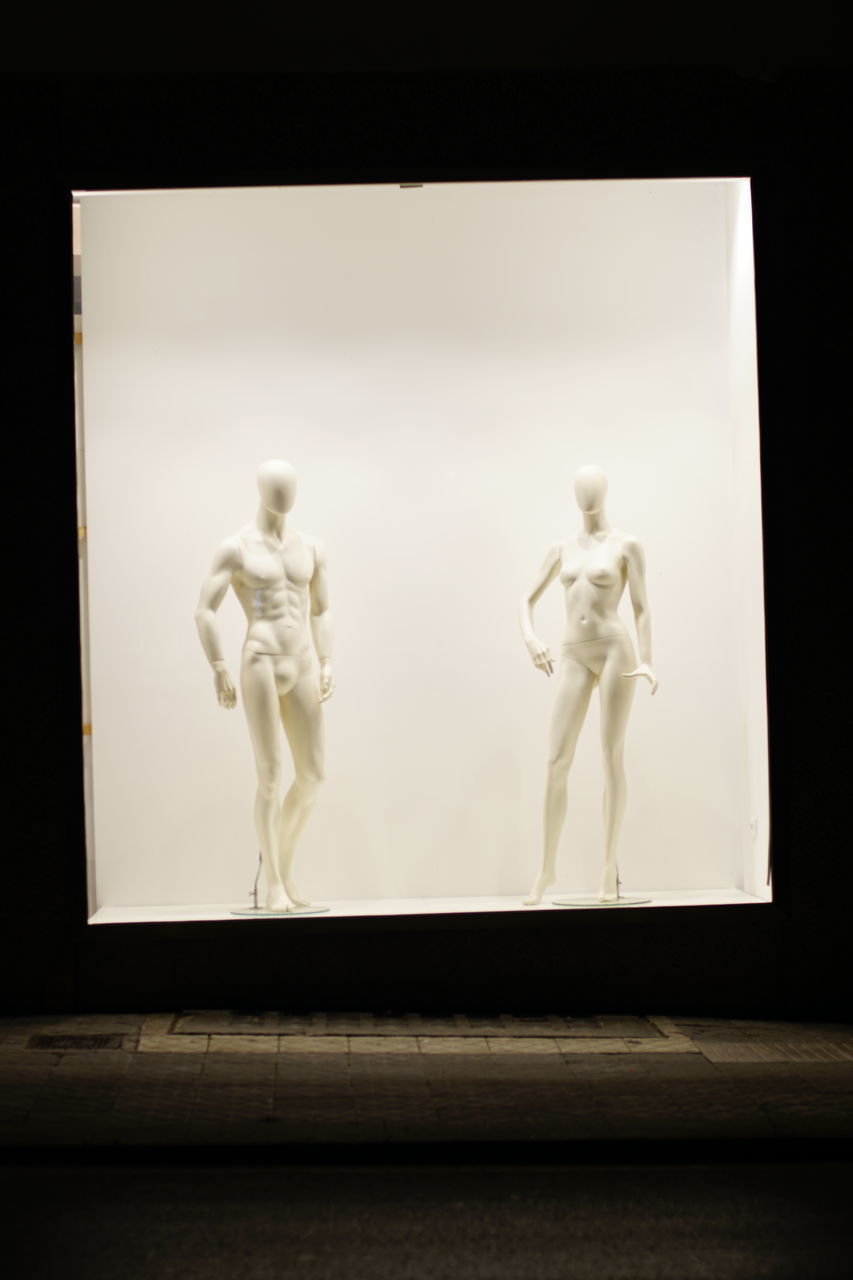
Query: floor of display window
[(415, 906)]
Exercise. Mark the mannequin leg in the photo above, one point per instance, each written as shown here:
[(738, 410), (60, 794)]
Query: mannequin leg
[(616, 694), (575, 685), (302, 718), (261, 703)]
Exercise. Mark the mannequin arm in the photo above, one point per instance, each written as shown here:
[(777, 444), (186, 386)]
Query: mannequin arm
[(636, 564), (547, 573), (321, 622), (213, 589)]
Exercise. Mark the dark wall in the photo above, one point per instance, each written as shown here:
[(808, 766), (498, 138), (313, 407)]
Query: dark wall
[(788, 128)]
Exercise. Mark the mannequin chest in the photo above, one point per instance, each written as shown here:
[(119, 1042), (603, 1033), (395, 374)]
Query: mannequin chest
[(268, 567), (598, 563)]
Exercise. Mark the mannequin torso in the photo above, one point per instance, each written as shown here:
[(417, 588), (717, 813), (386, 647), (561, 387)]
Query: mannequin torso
[(272, 584), (593, 572)]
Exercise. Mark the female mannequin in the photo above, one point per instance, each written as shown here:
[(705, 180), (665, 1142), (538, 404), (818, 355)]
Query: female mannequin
[(593, 565), (279, 577)]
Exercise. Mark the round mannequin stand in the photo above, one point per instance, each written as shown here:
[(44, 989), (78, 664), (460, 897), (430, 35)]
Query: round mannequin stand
[(287, 911), (256, 910), (591, 900)]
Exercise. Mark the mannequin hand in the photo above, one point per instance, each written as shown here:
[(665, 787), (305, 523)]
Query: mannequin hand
[(541, 656), (646, 672), (327, 684), (226, 694)]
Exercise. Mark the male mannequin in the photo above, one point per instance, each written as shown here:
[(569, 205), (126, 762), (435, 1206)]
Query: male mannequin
[(279, 577)]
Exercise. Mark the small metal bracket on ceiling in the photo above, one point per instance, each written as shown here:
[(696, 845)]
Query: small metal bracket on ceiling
[(408, 186)]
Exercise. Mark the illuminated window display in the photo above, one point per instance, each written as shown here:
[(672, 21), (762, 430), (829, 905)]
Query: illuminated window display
[(436, 363)]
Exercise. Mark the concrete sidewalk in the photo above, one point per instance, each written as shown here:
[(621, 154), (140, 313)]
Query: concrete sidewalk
[(202, 1078)]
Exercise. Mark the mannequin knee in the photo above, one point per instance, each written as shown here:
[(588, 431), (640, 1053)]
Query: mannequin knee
[(309, 782), (614, 763), (558, 768), (269, 780)]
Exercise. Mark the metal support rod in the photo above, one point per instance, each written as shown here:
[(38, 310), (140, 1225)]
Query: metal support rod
[(254, 894)]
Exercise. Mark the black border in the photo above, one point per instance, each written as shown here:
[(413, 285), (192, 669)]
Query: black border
[(789, 134)]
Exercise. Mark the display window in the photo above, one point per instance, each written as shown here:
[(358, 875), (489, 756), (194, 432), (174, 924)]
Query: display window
[(421, 554)]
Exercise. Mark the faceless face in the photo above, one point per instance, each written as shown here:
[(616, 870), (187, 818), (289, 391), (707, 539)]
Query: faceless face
[(590, 489), (277, 485)]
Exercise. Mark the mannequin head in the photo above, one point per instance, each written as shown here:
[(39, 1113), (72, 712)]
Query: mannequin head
[(590, 489), (277, 485)]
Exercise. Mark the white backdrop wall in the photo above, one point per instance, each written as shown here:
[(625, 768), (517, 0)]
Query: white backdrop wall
[(436, 363)]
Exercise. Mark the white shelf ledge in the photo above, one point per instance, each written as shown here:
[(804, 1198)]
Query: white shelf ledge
[(157, 914)]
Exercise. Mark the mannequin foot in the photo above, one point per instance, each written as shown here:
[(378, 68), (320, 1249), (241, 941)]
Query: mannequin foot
[(298, 899), (609, 891), (540, 884), (277, 899)]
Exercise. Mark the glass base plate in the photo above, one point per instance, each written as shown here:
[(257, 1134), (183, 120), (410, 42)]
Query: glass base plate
[(596, 902), (290, 911)]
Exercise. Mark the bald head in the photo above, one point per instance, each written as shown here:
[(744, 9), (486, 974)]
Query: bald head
[(590, 489), (277, 485)]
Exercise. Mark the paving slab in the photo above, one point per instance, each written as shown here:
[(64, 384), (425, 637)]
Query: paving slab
[(218, 1022), (163, 1078)]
